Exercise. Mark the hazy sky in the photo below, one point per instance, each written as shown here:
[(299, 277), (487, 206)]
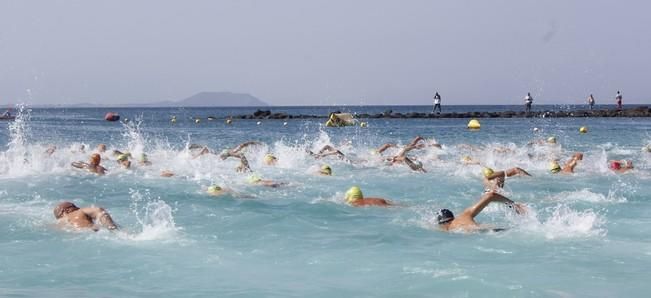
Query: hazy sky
[(325, 52)]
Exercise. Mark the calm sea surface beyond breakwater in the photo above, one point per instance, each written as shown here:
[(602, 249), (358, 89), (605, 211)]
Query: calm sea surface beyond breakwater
[(587, 234)]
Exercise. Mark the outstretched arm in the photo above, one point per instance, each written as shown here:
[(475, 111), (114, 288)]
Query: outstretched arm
[(385, 147), (240, 147), (100, 215), (489, 197), (327, 148), (516, 171)]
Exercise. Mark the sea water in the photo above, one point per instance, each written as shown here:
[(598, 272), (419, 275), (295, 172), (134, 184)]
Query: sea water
[(586, 234)]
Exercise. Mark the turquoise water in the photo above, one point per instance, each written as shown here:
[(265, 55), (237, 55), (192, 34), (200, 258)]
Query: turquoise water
[(586, 234)]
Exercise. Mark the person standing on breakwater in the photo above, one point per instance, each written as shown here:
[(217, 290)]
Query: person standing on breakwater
[(528, 101), (591, 101), (618, 100), (437, 102)]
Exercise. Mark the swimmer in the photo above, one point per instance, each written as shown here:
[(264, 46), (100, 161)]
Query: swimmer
[(83, 218), (81, 149), (93, 165), (401, 157), (419, 143), (101, 148), (166, 173), (467, 160), (325, 170), (255, 179), (569, 166), (466, 220), (50, 150), (549, 141), (326, 151), (355, 198), (143, 160), (620, 166), (494, 181), (270, 160), (123, 160), (216, 190), (226, 153)]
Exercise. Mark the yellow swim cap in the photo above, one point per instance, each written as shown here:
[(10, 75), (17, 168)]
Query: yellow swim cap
[(124, 156), (551, 140), (554, 167), (354, 194), (466, 158), (229, 121), (269, 159), (583, 129), (254, 179), (488, 172), (326, 170), (214, 189), (362, 124)]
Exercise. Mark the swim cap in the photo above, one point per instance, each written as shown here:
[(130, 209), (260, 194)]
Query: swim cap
[(95, 158), (466, 158), (143, 157), (615, 165), (487, 172), (354, 194), (326, 170), (583, 129), (64, 207), (254, 179), (551, 140), (362, 124), (554, 167), (444, 216), (214, 189), (647, 148), (269, 159), (123, 157)]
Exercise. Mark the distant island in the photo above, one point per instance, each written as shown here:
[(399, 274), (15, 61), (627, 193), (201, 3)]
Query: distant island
[(215, 99)]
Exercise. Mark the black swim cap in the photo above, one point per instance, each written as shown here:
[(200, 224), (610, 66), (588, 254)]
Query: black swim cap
[(444, 216)]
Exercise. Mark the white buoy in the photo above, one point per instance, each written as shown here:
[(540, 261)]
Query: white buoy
[(284, 123), (258, 123)]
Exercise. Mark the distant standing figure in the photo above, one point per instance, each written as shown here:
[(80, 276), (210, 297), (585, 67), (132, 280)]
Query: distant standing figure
[(618, 99), (528, 100), (591, 101), (437, 102)]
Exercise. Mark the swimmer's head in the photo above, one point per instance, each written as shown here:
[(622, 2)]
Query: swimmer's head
[(466, 158), (444, 216), (123, 157), (487, 172), (95, 159), (101, 148), (615, 165), (551, 140), (647, 148), (64, 208), (354, 194), (269, 159), (254, 179), (213, 189), (224, 154), (554, 167), (326, 170), (143, 157)]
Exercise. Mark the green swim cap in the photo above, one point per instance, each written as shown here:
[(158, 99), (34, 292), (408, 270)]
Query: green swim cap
[(487, 172), (354, 194), (326, 170), (143, 157), (554, 167), (124, 156), (551, 140), (214, 189), (254, 179), (269, 158)]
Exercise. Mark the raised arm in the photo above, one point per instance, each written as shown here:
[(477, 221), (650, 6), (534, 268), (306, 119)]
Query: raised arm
[(418, 167), (385, 147), (240, 147), (244, 163), (100, 215), (516, 171), (489, 197)]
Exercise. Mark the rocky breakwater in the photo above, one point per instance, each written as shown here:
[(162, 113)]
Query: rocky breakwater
[(642, 111)]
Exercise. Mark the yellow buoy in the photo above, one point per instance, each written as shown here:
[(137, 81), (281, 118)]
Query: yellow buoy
[(583, 129), (474, 124)]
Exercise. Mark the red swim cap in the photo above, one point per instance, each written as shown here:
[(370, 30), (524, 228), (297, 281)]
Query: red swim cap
[(615, 165)]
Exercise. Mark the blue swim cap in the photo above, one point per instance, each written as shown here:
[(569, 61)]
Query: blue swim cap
[(444, 216)]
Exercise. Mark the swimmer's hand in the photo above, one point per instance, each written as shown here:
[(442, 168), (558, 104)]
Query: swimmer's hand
[(520, 209)]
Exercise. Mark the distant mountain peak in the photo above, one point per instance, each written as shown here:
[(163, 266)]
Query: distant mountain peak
[(221, 99)]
